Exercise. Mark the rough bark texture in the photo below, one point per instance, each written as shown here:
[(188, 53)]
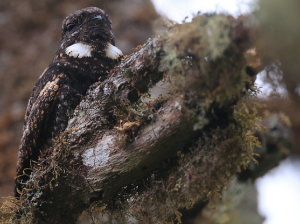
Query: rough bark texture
[(111, 163), (113, 140)]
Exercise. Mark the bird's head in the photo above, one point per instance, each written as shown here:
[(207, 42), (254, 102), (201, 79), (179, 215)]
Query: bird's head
[(87, 41)]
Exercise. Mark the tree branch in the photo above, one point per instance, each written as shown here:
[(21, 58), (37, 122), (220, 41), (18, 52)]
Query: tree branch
[(114, 139)]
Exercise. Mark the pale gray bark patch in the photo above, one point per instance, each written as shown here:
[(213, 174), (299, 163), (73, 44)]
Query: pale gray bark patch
[(98, 156)]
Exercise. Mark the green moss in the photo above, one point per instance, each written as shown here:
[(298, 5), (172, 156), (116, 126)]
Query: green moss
[(48, 171), (199, 171), (209, 75)]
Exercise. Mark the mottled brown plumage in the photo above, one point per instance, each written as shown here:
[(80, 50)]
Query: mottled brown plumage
[(85, 55)]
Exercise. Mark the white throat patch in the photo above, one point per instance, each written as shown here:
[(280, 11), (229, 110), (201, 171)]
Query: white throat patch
[(79, 50), (113, 52)]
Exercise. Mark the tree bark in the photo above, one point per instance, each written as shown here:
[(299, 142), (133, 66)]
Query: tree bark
[(114, 139)]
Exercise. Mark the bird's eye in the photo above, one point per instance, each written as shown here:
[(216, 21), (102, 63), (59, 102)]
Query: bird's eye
[(97, 17), (70, 26)]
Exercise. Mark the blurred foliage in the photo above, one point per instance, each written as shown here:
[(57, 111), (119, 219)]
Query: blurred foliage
[(278, 46), (279, 42), (238, 206)]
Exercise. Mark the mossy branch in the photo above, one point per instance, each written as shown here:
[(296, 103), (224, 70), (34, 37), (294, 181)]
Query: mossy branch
[(199, 131)]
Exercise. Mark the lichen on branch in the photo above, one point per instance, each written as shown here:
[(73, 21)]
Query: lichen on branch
[(150, 159)]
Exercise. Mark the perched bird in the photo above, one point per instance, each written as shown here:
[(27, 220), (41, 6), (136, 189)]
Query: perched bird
[(85, 55)]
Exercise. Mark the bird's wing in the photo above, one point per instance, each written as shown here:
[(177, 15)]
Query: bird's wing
[(39, 109)]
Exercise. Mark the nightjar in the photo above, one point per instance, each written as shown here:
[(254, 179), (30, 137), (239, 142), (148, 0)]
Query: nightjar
[(85, 55)]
